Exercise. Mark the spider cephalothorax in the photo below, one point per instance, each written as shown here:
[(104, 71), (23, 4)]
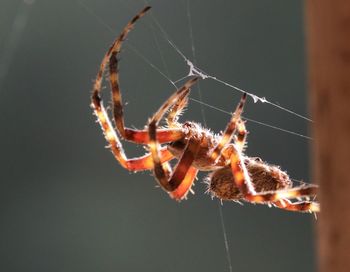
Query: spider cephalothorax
[(234, 176)]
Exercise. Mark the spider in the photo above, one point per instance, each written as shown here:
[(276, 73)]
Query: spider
[(233, 175)]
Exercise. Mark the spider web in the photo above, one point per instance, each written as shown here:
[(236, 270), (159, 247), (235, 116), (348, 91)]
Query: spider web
[(193, 69)]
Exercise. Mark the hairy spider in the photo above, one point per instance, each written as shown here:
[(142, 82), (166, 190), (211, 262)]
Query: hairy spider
[(234, 176)]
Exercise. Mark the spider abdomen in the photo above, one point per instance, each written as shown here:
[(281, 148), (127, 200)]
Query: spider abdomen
[(264, 177)]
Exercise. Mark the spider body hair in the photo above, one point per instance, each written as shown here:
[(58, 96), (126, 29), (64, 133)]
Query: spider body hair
[(208, 140)]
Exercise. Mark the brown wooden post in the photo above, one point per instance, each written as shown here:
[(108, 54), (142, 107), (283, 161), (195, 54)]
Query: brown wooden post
[(328, 43)]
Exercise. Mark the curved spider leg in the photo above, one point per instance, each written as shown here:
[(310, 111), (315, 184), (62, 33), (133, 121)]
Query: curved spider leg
[(136, 164), (230, 129), (179, 182), (137, 136), (301, 206), (182, 190), (142, 163), (167, 182), (176, 110), (115, 47)]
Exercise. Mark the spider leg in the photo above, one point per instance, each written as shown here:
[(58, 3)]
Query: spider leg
[(240, 173), (136, 164), (179, 182), (185, 186), (167, 182), (309, 190), (143, 137), (176, 110), (115, 48), (230, 129), (133, 135), (146, 162), (241, 137), (173, 99), (301, 206), (137, 136), (163, 135)]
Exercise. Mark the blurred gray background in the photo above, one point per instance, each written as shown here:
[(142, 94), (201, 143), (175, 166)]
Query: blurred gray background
[(66, 204)]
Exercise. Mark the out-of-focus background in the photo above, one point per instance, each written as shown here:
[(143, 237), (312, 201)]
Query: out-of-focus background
[(66, 204)]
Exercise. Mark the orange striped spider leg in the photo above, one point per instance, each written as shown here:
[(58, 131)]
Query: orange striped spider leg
[(171, 181)]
